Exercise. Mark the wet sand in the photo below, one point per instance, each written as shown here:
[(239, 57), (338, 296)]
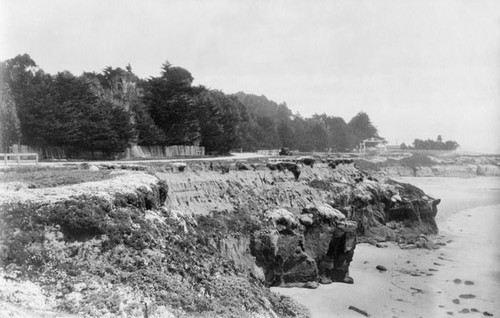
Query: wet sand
[(460, 279)]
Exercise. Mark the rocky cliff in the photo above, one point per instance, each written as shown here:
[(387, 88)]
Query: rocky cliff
[(202, 238), (432, 164)]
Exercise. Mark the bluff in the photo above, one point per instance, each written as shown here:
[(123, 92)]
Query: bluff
[(431, 164), (209, 238)]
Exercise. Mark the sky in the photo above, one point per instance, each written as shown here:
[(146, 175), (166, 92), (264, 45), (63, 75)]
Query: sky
[(418, 68)]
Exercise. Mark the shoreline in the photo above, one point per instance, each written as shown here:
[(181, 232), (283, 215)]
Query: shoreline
[(421, 282)]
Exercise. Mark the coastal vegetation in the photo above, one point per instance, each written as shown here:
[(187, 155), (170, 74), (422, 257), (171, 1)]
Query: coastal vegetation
[(98, 115), (430, 144), (204, 241)]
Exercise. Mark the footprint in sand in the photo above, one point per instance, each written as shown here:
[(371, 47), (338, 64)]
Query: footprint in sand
[(464, 311)]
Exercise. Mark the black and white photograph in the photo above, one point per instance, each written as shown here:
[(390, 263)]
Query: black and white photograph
[(249, 158)]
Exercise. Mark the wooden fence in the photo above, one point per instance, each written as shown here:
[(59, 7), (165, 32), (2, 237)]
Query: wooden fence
[(270, 152), (168, 152), (135, 151), (18, 158)]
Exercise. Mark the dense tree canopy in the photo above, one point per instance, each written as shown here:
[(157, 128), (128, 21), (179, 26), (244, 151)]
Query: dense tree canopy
[(437, 144), (103, 113), (64, 111)]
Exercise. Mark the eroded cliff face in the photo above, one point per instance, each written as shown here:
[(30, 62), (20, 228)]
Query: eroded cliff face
[(372, 202), (432, 164), (308, 222), (203, 238)]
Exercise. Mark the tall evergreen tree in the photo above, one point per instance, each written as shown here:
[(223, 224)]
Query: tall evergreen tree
[(9, 122)]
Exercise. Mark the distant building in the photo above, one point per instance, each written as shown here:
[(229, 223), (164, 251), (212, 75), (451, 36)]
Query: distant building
[(372, 144)]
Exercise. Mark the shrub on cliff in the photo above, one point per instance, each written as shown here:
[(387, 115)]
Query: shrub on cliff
[(135, 249)]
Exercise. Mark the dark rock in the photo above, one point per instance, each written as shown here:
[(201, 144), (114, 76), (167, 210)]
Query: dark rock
[(464, 311), (416, 209), (467, 296), (359, 311), (335, 264), (456, 301), (308, 161), (487, 314), (457, 281), (381, 268), (417, 290), (468, 282)]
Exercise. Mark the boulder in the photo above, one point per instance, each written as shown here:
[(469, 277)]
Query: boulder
[(416, 210), (381, 268)]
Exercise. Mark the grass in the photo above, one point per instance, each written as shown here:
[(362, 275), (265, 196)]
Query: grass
[(49, 177)]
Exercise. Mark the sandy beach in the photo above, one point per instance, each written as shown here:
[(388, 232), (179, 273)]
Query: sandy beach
[(460, 279)]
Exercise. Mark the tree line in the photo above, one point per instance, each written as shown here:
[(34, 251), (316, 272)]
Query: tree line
[(101, 114), (430, 144)]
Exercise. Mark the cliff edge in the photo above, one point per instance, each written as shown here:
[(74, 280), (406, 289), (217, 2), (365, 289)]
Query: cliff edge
[(183, 240)]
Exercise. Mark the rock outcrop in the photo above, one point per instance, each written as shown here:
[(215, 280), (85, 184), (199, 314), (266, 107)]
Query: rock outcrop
[(207, 239), (308, 225), (316, 246), (429, 164)]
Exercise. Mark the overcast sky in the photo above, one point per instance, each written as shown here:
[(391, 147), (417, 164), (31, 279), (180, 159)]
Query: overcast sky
[(418, 68)]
